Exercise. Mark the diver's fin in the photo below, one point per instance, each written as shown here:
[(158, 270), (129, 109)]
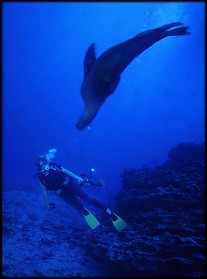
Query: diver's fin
[(91, 219), (118, 222)]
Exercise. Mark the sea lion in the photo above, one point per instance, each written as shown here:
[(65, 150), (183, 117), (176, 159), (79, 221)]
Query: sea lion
[(102, 75)]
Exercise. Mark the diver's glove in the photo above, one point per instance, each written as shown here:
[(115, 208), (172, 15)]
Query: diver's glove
[(52, 205)]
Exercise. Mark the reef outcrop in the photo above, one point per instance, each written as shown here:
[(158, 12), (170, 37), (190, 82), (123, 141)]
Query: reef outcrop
[(165, 210)]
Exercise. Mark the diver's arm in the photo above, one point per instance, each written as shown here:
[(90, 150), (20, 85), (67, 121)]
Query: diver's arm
[(44, 192), (81, 180), (78, 178)]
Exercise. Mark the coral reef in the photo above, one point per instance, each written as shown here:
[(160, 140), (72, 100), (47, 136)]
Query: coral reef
[(165, 207)]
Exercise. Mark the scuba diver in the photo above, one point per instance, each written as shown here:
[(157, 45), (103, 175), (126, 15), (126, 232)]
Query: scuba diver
[(67, 185)]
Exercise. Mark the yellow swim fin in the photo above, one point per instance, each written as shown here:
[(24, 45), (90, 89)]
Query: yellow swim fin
[(118, 222), (91, 219)]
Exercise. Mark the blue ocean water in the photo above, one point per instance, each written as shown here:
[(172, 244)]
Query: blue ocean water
[(158, 103)]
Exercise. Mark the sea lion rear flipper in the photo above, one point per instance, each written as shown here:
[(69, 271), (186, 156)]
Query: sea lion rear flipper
[(89, 60)]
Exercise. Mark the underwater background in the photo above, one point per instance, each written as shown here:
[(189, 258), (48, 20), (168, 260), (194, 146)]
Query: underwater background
[(149, 132)]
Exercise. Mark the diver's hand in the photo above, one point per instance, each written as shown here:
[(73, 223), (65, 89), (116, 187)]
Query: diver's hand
[(51, 205)]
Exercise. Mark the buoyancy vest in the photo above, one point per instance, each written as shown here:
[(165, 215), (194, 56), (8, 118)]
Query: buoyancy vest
[(55, 179)]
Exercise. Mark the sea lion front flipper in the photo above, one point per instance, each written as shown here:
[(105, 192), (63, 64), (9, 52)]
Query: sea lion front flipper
[(108, 86), (89, 60), (113, 83)]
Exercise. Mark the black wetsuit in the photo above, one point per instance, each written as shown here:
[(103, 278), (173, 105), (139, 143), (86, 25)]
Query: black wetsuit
[(70, 189)]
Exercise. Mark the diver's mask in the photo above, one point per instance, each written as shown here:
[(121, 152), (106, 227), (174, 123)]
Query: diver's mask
[(42, 164)]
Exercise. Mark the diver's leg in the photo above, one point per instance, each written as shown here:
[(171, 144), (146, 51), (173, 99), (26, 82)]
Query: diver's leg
[(118, 222), (81, 194), (71, 199)]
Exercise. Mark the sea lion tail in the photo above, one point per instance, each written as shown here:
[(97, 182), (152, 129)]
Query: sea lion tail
[(178, 31)]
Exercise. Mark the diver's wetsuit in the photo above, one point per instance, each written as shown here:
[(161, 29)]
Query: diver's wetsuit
[(58, 180)]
